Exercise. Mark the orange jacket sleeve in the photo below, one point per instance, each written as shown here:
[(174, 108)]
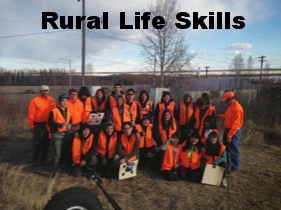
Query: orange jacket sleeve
[(31, 113)]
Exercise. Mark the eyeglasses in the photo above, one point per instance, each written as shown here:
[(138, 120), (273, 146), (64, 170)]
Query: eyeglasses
[(131, 94)]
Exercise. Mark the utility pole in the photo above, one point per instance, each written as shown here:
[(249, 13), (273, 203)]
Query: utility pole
[(154, 69), (207, 71), (261, 60), (83, 44)]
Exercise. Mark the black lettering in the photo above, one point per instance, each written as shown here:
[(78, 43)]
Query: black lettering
[(137, 20), (51, 20), (158, 22), (181, 16), (219, 20), (238, 20), (95, 21), (105, 20), (227, 20), (123, 22), (211, 20), (145, 17), (198, 21), (79, 20), (69, 24)]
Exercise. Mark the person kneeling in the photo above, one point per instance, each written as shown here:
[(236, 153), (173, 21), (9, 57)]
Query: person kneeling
[(190, 158), (83, 156), (127, 147), (214, 153), (170, 159)]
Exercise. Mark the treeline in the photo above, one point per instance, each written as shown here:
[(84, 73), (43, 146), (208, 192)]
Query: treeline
[(58, 77)]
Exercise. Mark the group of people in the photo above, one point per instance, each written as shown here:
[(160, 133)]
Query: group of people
[(176, 139)]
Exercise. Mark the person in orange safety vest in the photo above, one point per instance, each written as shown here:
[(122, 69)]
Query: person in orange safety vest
[(105, 149), (38, 113), (83, 150), (233, 121), (170, 160), (190, 158)]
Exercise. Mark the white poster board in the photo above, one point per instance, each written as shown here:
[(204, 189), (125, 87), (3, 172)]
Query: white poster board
[(95, 118), (213, 176), (124, 173)]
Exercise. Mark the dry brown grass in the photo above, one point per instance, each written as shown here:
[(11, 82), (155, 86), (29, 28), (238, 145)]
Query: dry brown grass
[(257, 186)]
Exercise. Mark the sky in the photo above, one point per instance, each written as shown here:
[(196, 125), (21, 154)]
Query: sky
[(115, 49)]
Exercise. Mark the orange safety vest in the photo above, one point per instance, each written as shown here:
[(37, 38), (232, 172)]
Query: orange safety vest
[(147, 108), (77, 150), (76, 109), (134, 108), (117, 122), (112, 100), (184, 116), (198, 123), (95, 104), (102, 148), (209, 159), (147, 140), (171, 108), (168, 159), (204, 135), (128, 145), (39, 109), (194, 162), (59, 119), (163, 133), (87, 109)]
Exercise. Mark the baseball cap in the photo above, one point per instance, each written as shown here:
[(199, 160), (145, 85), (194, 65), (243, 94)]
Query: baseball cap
[(146, 117), (227, 95), (44, 87)]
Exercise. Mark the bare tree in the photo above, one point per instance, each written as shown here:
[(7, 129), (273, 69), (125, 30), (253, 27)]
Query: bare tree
[(250, 62), (237, 63), (164, 49)]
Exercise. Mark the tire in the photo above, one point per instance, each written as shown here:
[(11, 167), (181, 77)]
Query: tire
[(74, 198)]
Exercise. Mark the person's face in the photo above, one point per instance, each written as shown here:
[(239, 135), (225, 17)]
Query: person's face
[(175, 141), (73, 96), (145, 122), (207, 124), (167, 116), (167, 98), (109, 130), (99, 94), (117, 89), (213, 140), (119, 101), (143, 97), (63, 103), (130, 96), (44, 93), (188, 99), (193, 140), (86, 132), (229, 101), (127, 130)]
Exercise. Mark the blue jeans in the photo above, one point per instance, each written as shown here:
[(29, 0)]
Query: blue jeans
[(232, 150)]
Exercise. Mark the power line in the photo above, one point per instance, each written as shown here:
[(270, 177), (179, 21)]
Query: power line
[(17, 21), (18, 35)]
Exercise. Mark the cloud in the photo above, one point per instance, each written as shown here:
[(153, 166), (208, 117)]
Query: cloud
[(239, 46), (192, 52), (236, 52)]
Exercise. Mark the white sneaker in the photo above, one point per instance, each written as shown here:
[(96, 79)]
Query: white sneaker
[(223, 182)]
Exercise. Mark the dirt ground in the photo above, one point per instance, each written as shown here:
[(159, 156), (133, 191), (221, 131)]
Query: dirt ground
[(257, 186)]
